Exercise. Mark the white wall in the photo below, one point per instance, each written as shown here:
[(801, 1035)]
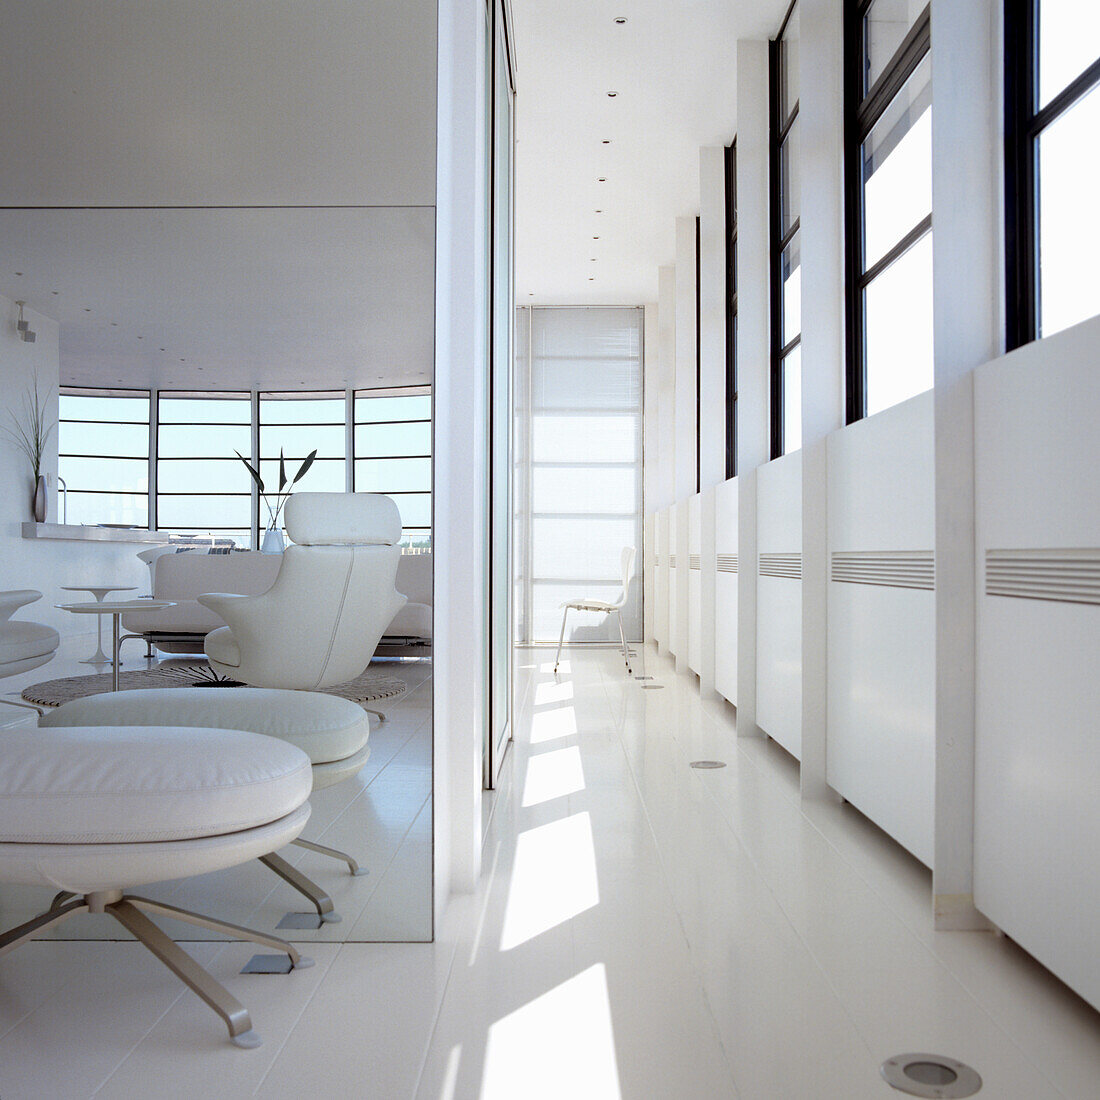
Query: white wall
[(881, 621), (726, 587), (40, 563), (695, 583), (1037, 766), (779, 602)]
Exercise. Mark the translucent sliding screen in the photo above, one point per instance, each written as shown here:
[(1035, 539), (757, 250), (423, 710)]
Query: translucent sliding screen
[(202, 487), (103, 455), (582, 476), (393, 454)]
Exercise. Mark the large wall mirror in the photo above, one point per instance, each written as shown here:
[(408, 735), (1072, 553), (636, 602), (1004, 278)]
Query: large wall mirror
[(177, 339)]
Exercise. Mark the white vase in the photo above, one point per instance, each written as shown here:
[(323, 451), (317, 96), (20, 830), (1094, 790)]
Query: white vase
[(273, 542)]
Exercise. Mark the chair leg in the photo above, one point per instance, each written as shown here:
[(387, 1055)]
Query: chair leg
[(334, 853), (61, 897), (188, 971), (377, 713), (305, 886), (10, 940), (237, 931), (622, 638), (24, 706), (561, 636)]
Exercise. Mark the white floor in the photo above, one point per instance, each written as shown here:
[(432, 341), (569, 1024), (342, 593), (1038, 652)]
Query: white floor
[(642, 929)]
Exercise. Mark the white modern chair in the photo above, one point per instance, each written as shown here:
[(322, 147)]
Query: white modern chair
[(627, 561), (23, 645), (320, 622), (96, 811)]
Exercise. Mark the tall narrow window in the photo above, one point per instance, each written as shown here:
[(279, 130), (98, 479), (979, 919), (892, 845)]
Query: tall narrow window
[(889, 207), (786, 258), (1052, 108), (393, 454), (103, 455), (731, 310), (201, 484)]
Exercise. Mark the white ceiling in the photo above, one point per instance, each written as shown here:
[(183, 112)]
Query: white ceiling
[(228, 298), (269, 107), (673, 66)]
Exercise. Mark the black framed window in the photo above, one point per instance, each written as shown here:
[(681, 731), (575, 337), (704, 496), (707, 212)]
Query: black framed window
[(888, 171), (201, 484), (786, 256), (731, 310), (393, 454), (1052, 117), (103, 455)]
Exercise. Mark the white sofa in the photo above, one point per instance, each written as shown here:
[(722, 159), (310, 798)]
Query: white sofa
[(183, 577)]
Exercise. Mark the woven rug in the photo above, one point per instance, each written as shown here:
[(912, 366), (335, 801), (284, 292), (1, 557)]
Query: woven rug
[(367, 688)]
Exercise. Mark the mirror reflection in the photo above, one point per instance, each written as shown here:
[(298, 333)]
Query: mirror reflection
[(241, 448)]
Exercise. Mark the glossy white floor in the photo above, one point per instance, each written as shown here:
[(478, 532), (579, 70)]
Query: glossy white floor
[(642, 929)]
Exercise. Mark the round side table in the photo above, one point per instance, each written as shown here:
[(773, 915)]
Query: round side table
[(98, 591), (116, 609)]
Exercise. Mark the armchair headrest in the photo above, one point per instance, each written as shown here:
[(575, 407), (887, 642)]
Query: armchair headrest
[(342, 519)]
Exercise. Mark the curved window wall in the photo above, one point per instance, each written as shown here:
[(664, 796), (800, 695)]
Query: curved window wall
[(110, 445)]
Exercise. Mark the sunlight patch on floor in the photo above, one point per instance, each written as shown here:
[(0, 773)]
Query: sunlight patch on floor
[(553, 775), (553, 880), (561, 1044), (549, 725)]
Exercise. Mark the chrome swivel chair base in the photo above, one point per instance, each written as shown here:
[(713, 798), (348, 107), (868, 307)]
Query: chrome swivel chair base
[(129, 910)]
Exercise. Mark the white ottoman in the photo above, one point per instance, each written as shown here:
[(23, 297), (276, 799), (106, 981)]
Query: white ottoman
[(94, 811), (332, 732)]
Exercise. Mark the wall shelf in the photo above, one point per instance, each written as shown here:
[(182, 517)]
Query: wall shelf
[(79, 533)]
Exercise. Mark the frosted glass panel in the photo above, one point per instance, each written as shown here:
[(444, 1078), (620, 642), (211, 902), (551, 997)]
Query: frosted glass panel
[(578, 440)]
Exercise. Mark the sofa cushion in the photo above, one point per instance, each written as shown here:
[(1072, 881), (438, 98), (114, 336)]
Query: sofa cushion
[(414, 620), (325, 727), (20, 641), (137, 784)]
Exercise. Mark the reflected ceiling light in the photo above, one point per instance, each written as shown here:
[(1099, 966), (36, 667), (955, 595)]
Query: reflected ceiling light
[(26, 333)]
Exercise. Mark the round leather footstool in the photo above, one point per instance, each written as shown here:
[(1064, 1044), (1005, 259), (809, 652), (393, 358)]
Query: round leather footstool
[(94, 811), (331, 731)]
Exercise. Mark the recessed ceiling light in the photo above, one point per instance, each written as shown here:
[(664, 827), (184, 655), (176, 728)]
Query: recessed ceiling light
[(55, 291), (591, 278), (595, 238), (601, 179), (612, 95), (606, 141), (19, 273), (87, 309), (599, 211), (620, 19)]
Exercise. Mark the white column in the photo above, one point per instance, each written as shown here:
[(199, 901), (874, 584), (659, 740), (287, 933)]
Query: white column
[(712, 313), (461, 473), (753, 350), (967, 317), (685, 358), (821, 122), (666, 372)]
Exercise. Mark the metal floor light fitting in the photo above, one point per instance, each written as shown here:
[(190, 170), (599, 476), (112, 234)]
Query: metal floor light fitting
[(930, 1075)]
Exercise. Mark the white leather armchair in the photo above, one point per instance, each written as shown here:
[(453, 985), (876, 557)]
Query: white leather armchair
[(320, 622)]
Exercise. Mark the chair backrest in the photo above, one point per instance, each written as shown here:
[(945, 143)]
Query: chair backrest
[(626, 560), (335, 594)]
